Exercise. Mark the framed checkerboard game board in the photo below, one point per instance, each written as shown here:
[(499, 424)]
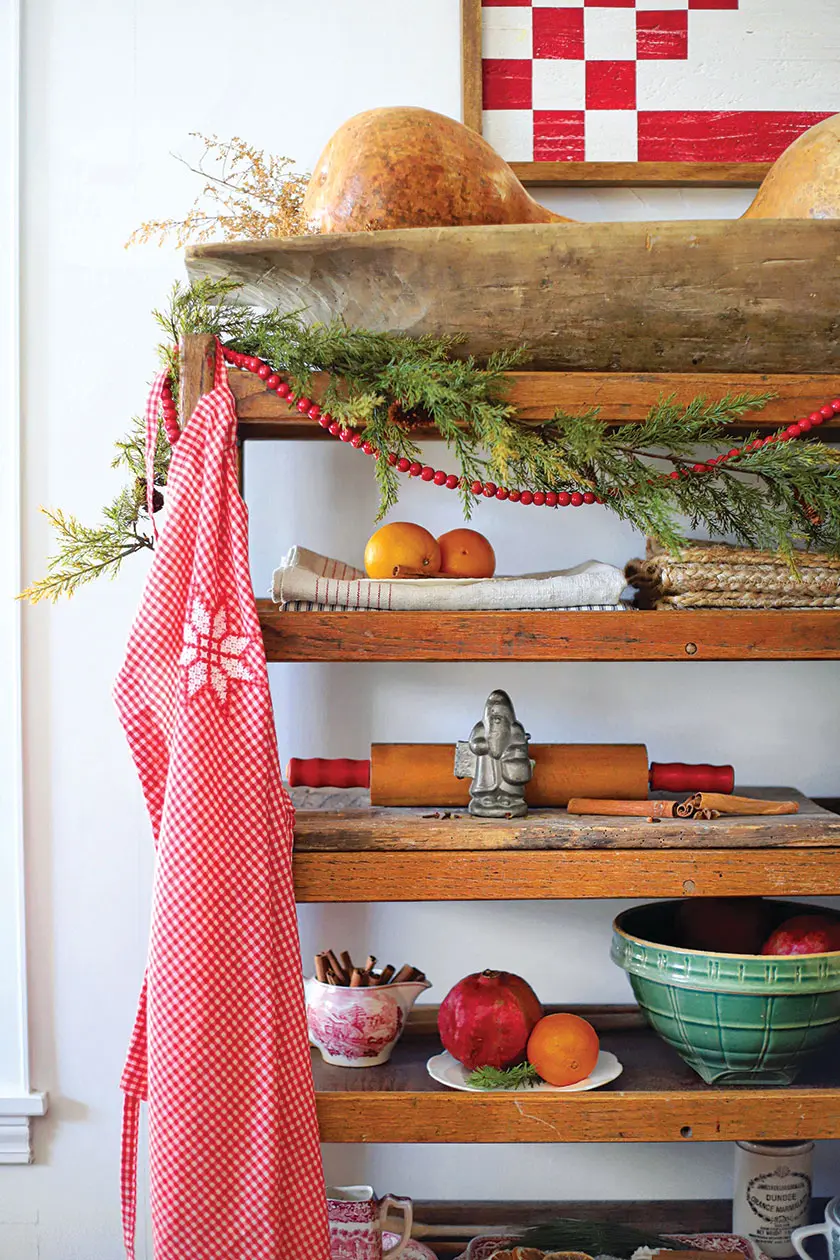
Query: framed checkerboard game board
[(648, 91)]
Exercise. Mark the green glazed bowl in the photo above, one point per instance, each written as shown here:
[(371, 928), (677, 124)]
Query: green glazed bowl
[(737, 1019)]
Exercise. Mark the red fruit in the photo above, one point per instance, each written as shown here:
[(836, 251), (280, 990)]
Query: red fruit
[(487, 1018), (804, 934), (723, 925)]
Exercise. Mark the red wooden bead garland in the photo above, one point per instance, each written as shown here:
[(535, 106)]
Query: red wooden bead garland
[(488, 490)]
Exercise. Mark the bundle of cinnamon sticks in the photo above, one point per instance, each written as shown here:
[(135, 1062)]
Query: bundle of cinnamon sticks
[(339, 969), (702, 805)]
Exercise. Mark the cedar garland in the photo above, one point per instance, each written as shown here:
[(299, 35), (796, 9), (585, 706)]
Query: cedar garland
[(784, 495)]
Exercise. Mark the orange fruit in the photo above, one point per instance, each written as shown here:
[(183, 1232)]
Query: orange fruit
[(401, 543), (563, 1049), (465, 553)]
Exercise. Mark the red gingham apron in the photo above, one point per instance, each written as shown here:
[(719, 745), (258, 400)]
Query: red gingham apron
[(219, 1048)]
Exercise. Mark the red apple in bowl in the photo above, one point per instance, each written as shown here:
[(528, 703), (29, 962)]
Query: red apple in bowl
[(804, 934)]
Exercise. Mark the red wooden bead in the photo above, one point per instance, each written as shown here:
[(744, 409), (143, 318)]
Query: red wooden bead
[(356, 441), (252, 363), (313, 412), (427, 473), (713, 463), (589, 497), (576, 499), (368, 448), (515, 496), (283, 389), (805, 425), (272, 381), (794, 430), (291, 397), (477, 487), (263, 371), (303, 404), (698, 468), (827, 412), (835, 406), (324, 421), (488, 493), (551, 499), (490, 487), (227, 353), (816, 417), (526, 497), (564, 498), (452, 482), (733, 454), (334, 428), (439, 478), (769, 440), (783, 437), (346, 435), (674, 476), (403, 464), (539, 498), (415, 469), (392, 459), (502, 493)]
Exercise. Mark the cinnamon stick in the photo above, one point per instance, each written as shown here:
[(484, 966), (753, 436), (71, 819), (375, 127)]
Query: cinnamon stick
[(636, 809), (346, 961), (321, 968), (358, 979), (404, 975), (741, 805), (370, 964), (341, 975), (385, 975)]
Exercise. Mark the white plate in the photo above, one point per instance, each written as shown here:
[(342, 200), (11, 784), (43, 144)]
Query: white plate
[(448, 1071)]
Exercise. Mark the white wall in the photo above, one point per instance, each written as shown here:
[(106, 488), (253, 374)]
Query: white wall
[(109, 91)]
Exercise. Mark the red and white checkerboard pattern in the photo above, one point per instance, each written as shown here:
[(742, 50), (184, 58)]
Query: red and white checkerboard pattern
[(656, 80), (220, 1047)]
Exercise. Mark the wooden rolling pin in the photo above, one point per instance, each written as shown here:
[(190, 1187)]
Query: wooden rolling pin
[(423, 774)]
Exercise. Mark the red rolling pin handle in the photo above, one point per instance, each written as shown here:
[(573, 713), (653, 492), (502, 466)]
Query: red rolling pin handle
[(676, 776), (335, 772)]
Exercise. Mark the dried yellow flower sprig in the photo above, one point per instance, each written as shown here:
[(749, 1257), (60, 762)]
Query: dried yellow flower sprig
[(247, 194)]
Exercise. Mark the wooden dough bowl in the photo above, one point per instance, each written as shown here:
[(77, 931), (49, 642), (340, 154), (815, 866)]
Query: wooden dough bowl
[(714, 296)]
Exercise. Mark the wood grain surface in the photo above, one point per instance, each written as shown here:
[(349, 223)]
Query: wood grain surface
[(198, 365), (641, 174), (540, 875), (657, 1098), (708, 635), (428, 829), (715, 296), (622, 397)]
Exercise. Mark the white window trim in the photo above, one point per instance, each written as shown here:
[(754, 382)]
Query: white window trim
[(17, 1101)]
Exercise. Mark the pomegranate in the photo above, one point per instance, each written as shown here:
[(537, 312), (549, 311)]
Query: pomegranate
[(804, 934), (487, 1018), (723, 925)]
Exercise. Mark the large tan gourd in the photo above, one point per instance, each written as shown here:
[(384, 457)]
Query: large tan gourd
[(804, 183), (401, 167)]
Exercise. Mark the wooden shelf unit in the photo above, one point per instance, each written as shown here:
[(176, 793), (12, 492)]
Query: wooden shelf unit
[(339, 857)]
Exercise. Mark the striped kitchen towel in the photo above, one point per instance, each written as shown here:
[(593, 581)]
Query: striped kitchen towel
[(325, 583)]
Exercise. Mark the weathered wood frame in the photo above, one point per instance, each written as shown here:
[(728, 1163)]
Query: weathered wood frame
[(592, 174)]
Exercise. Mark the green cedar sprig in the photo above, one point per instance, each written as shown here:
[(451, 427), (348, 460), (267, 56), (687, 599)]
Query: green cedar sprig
[(783, 495), (520, 1076)]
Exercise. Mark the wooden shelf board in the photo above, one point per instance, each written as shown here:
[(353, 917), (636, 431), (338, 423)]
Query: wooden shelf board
[(658, 1098), (444, 1226), (541, 876), (621, 396), (526, 635), (332, 830)]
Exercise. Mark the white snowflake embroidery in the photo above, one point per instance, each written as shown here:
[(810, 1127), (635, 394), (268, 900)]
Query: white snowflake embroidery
[(210, 654)]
